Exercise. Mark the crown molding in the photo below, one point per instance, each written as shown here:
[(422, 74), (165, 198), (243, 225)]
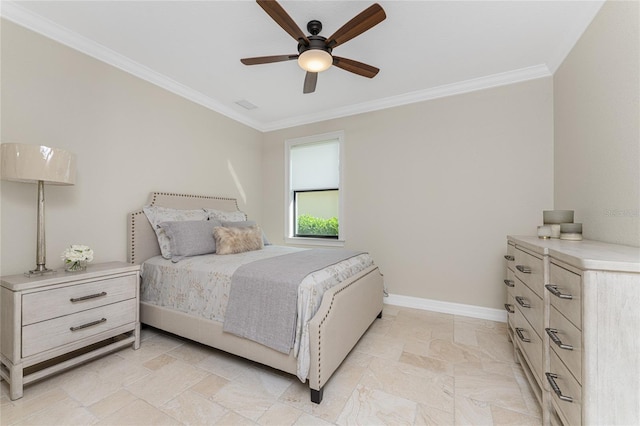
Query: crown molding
[(23, 17), (495, 80)]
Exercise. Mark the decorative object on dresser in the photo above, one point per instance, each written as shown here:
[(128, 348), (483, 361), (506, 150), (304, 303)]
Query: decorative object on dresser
[(40, 164), (55, 321), (559, 224), (330, 323), (574, 320)]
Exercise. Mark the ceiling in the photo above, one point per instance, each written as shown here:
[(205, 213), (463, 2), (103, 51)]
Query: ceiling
[(424, 49)]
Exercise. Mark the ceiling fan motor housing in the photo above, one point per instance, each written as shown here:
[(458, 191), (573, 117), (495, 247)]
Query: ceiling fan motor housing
[(315, 42)]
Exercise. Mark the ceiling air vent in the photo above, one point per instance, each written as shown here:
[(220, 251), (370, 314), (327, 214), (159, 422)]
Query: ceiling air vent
[(246, 104)]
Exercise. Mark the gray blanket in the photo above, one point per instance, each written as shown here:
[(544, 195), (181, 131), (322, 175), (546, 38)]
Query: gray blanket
[(263, 297)]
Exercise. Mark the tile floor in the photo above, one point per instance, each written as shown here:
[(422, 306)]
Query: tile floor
[(411, 367)]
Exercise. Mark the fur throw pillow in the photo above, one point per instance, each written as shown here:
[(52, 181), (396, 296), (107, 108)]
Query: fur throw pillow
[(237, 240)]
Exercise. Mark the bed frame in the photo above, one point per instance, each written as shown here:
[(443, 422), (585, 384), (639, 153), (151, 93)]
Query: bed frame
[(346, 312)]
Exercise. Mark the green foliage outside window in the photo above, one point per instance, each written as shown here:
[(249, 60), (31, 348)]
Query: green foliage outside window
[(310, 225)]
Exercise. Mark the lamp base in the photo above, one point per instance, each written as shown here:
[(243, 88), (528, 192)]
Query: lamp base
[(39, 271)]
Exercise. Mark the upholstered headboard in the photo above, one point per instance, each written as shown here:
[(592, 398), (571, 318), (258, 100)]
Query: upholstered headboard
[(142, 242)]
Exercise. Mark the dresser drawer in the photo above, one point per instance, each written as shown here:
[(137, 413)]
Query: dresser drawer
[(530, 305), (530, 343), (57, 302), (511, 257), (510, 306), (566, 293), (563, 383), (566, 341), (530, 269), (60, 331)]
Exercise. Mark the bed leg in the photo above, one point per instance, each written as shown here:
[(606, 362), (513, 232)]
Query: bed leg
[(316, 395), (379, 315)]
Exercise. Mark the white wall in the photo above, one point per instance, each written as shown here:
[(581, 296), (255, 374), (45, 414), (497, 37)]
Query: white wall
[(433, 188), (130, 138), (597, 127)]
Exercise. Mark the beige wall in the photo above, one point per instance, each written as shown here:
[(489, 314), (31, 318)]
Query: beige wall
[(130, 138), (597, 129), (432, 189)]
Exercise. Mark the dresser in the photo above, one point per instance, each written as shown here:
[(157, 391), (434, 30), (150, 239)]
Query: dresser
[(576, 327), (55, 321)]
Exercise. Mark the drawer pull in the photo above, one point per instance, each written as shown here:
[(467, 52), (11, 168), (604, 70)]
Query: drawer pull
[(89, 324), (554, 290), (522, 302), (521, 336), (509, 257), (91, 296), (509, 308), (509, 283), (523, 269), (552, 332), (551, 379)]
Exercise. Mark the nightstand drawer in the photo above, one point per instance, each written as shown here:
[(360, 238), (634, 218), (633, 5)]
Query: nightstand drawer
[(49, 304), (49, 334)]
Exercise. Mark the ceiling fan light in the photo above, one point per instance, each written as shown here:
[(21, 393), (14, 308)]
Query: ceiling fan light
[(315, 60)]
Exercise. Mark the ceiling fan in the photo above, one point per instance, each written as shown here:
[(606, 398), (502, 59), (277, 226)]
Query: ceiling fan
[(314, 51)]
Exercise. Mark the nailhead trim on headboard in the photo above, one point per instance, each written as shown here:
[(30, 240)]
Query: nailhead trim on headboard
[(208, 197), (133, 237)]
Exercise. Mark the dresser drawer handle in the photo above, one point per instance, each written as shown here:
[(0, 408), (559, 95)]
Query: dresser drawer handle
[(554, 290), (89, 324), (521, 336), (523, 269), (509, 257), (509, 308), (91, 296), (551, 379), (509, 283), (522, 302), (552, 332)]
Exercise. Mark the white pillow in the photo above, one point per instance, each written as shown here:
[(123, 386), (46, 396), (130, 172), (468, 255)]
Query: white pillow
[(158, 215), (235, 216)]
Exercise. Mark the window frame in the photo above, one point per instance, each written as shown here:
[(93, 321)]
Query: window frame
[(289, 216)]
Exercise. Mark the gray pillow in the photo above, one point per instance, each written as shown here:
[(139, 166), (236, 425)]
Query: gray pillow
[(245, 224), (191, 237)]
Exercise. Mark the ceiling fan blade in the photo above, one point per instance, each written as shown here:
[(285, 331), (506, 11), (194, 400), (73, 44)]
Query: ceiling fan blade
[(355, 67), (268, 59), (283, 19), (364, 21), (310, 81)]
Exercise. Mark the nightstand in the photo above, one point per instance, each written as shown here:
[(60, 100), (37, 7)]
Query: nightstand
[(52, 322)]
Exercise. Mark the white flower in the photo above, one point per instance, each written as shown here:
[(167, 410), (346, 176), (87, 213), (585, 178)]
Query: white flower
[(76, 253)]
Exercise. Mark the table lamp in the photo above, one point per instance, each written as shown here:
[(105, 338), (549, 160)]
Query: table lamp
[(39, 164)]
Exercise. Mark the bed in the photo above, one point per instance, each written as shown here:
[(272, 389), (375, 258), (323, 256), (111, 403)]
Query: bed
[(344, 312)]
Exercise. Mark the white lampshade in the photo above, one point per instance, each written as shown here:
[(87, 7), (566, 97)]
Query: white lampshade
[(33, 163), (315, 60)]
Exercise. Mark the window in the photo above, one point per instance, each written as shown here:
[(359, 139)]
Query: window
[(314, 189)]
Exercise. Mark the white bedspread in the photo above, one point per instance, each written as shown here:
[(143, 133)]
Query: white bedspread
[(199, 286)]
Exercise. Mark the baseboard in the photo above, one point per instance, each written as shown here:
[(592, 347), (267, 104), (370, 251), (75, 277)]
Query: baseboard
[(472, 311)]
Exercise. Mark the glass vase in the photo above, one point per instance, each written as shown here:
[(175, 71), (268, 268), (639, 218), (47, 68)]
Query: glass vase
[(76, 266)]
